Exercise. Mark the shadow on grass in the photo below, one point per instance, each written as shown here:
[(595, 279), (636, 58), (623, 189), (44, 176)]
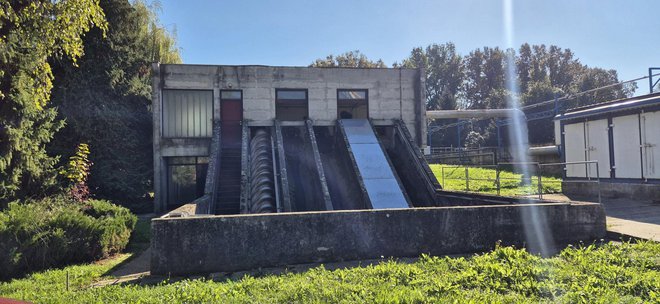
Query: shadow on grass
[(138, 244)]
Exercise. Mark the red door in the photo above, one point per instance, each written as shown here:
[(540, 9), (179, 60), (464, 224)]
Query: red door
[(231, 116)]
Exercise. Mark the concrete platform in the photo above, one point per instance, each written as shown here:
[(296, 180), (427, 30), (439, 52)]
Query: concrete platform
[(627, 217)]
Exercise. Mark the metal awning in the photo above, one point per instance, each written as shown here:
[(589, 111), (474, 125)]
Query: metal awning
[(614, 106)]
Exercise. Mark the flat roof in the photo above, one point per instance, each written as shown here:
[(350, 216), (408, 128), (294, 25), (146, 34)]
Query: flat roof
[(612, 106), (280, 66)]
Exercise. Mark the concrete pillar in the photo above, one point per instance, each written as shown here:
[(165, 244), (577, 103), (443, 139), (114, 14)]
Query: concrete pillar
[(160, 204)]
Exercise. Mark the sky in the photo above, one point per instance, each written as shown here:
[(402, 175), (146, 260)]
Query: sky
[(611, 34)]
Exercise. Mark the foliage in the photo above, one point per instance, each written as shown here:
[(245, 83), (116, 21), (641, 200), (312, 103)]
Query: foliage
[(611, 273), (106, 100), (56, 231), (478, 81), (31, 32), (77, 171), (484, 180), (353, 59), (444, 74)]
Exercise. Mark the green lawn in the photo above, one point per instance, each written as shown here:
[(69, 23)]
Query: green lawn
[(611, 273), (484, 180)]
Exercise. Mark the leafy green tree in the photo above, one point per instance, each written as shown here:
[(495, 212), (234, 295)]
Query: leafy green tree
[(106, 100), (77, 172), (352, 59), (444, 74), (31, 32), (484, 83)]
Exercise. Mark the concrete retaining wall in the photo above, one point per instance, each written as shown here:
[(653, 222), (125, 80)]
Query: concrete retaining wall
[(231, 243)]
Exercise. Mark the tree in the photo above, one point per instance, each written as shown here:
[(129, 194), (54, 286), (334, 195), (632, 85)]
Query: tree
[(352, 59), (444, 74), (31, 32), (106, 100)]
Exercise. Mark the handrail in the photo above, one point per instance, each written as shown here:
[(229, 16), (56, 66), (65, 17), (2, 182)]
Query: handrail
[(213, 174), (245, 169), (430, 184)]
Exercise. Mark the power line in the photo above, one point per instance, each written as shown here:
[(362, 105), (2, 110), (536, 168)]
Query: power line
[(571, 96), (567, 97)]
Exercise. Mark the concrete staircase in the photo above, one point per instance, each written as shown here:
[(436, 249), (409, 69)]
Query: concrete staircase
[(229, 187)]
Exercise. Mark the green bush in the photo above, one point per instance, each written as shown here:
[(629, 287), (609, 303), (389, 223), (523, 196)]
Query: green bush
[(56, 231)]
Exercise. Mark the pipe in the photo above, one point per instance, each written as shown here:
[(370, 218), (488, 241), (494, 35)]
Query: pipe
[(545, 150)]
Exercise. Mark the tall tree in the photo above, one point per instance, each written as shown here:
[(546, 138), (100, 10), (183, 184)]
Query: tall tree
[(444, 74), (31, 32), (484, 83), (352, 59), (106, 100)]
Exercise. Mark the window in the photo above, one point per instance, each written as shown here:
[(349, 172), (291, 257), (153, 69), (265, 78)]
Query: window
[(187, 113), (352, 104), (231, 94), (291, 104), (186, 177)]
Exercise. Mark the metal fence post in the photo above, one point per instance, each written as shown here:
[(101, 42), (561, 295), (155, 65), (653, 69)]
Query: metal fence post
[(497, 177), (598, 181), (442, 170), (540, 185), (467, 180)]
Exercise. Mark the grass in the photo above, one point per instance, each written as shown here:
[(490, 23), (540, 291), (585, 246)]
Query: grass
[(610, 273), (484, 180)]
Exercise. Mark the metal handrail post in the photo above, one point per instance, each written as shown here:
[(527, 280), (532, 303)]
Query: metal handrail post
[(442, 170), (539, 183), (497, 178), (467, 180), (598, 181)]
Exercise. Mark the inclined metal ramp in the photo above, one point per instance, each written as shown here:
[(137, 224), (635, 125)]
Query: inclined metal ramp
[(375, 171)]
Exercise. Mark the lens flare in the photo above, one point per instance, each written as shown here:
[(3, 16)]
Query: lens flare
[(537, 232)]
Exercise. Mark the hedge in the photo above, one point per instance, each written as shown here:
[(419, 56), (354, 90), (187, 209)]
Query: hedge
[(57, 231)]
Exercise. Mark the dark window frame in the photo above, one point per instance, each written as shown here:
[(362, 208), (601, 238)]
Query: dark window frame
[(306, 100), (168, 165), (162, 113), (366, 99)]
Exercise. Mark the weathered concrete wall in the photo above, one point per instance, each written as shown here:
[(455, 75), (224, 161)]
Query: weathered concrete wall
[(240, 242), (576, 188), (393, 93)]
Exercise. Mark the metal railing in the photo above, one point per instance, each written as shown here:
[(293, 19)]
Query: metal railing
[(537, 174)]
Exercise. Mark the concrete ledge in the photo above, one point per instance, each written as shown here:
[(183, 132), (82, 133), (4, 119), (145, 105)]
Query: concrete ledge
[(608, 189), (208, 244)]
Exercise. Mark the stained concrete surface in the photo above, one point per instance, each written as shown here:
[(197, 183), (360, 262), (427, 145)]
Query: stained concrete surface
[(242, 242), (628, 217)]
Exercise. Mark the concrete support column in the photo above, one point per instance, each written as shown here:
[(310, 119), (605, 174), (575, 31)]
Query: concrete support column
[(156, 82)]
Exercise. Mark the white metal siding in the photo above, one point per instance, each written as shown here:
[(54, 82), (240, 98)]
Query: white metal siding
[(598, 147), (650, 123), (627, 159), (187, 113), (574, 149)]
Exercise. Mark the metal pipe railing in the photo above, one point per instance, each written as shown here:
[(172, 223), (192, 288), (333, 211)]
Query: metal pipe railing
[(539, 174)]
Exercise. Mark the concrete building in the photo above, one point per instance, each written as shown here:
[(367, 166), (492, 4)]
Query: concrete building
[(189, 101), (322, 164), (622, 138)]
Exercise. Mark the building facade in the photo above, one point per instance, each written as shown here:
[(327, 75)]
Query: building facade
[(622, 140), (190, 100)]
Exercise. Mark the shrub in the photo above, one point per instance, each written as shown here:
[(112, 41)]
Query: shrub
[(56, 231)]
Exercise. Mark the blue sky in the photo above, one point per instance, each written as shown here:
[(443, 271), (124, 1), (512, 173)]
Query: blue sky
[(621, 35)]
